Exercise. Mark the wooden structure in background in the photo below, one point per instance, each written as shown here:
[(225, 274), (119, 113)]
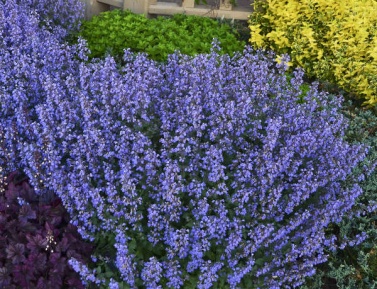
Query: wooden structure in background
[(153, 7)]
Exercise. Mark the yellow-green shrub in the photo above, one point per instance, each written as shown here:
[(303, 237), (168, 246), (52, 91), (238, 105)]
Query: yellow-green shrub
[(332, 40)]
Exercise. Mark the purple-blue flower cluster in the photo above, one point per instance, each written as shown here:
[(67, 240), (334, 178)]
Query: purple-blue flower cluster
[(208, 162), (207, 169), (60, 16), (33, 60)]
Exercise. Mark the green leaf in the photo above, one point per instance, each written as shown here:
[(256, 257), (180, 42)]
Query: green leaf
[(132, 245), (109, 274)]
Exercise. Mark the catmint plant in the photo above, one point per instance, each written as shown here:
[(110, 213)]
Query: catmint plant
[(203, 172), (62, 17), (30, 54)]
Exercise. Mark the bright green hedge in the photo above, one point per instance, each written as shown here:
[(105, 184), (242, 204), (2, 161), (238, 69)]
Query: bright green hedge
[(113, 31)]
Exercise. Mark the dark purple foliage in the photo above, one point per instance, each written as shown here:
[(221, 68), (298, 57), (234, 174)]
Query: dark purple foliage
[(36, 240)]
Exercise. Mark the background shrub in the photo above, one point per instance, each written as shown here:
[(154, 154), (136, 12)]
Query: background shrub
[(36, 240), (113, 31), (333, 41)]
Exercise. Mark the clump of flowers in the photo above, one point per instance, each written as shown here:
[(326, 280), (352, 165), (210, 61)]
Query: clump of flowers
[(36, 239), (60, 16), (30, 54), (202, 172)]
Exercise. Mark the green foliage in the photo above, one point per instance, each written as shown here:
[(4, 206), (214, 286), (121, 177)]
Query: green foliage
[(356, 266), (113, 31), (241, 28)]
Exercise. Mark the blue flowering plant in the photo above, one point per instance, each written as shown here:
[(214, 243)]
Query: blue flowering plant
[(62, 17), (31, 54), (204, 171)]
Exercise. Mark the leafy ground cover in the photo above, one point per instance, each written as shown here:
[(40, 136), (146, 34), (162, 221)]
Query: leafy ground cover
[(113, 31), (205, 171)]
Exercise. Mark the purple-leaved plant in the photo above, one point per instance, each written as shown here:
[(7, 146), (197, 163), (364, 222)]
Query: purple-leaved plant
[(36, 240)]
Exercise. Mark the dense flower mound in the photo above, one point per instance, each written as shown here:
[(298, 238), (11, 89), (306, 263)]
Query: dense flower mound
[(29, 55), (201, 172), (61, 16)]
